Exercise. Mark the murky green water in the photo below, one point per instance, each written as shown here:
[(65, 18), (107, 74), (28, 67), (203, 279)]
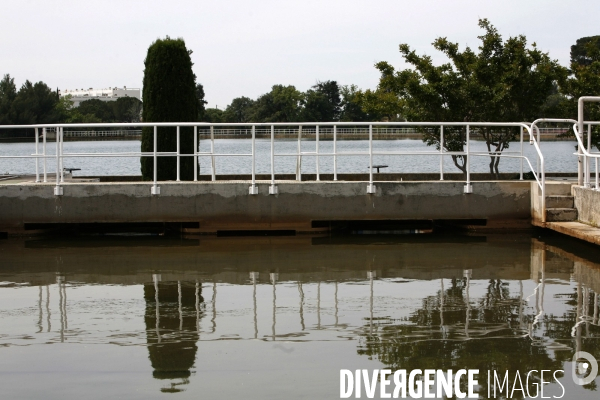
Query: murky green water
[(277, 318)]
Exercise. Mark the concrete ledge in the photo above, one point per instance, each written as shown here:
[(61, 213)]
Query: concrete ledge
[(227, 205), (577, 230)]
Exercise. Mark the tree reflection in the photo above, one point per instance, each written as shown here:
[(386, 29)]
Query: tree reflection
[(172, 317), (451, 331)]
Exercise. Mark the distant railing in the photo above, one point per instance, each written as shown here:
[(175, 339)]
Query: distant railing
[(341, 131), (114, 133), (325, 131)]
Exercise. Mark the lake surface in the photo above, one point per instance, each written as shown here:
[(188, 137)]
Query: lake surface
[(558, 155), (277, 318)]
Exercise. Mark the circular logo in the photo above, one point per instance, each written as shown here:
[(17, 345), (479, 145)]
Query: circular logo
[(585, 368)]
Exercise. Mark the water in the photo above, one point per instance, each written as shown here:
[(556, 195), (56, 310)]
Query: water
[(277, 318), (558, 155)]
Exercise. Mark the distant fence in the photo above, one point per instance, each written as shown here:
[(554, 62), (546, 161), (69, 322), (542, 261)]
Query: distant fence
[(307, 132), (115, 133), (343, 132)]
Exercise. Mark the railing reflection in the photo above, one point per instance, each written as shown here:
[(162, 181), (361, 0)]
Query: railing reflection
[(464, 317)]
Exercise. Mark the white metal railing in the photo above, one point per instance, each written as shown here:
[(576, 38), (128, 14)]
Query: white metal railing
[(540, 177), (60, 155), (584, 154), (587, 154)]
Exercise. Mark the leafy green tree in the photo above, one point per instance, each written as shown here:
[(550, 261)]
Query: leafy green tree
[(73, 115), (135, 112), (240, 110), (121, 109), (35, 104), (213, 115), (8, 94), (505, 81), (169, 96), (381, 105), (101, 110), (322, 103), (201, 102), (581, 52), (64, 107), (584, 80), (351, 110), (281, 104)]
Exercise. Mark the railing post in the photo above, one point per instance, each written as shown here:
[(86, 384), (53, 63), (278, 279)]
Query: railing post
[(597, 187), (543, 180), (521, 174), (539, 142), (212, 152), (195, 153), (44, 132), (371, 189), (272, 188), (299, 158), (441, 152), (178, 155), (468, 187), (155, 190), (37, 160), (58, 190), (253, 189), (579, 150), (317, 151), (587, 159), (335, 152), (62, 160)]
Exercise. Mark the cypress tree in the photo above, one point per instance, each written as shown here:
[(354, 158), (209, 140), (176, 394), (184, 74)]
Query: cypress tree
[(169, 95)]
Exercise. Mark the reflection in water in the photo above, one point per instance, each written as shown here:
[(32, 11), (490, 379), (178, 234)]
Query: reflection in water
[(254, 278), (62, 292), (493, 335), (173, 312), (301, 308), (48, 307), (485, 303), (274, 281)]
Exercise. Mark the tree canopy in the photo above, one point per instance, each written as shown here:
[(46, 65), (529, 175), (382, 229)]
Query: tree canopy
[(240, 110), (584, 80), (504, 81), (322, 102)]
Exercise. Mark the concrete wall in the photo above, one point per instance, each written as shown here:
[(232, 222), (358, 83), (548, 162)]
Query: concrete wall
[(587, 202), (227, 205)]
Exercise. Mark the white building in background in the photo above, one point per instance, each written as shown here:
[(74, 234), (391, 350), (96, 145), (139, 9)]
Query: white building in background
[(110, 94)]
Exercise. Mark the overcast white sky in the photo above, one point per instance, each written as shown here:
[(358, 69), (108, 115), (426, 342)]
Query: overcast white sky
[(242, 48)]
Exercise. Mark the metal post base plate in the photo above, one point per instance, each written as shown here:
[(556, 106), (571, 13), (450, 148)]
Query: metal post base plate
[(371, 189), (468, 189), (58, 190), (273, 189), (253, 189), (155, 190)]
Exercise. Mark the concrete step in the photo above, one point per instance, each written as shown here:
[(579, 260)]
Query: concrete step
[(558, 188), (561, 214), (560, 201)]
